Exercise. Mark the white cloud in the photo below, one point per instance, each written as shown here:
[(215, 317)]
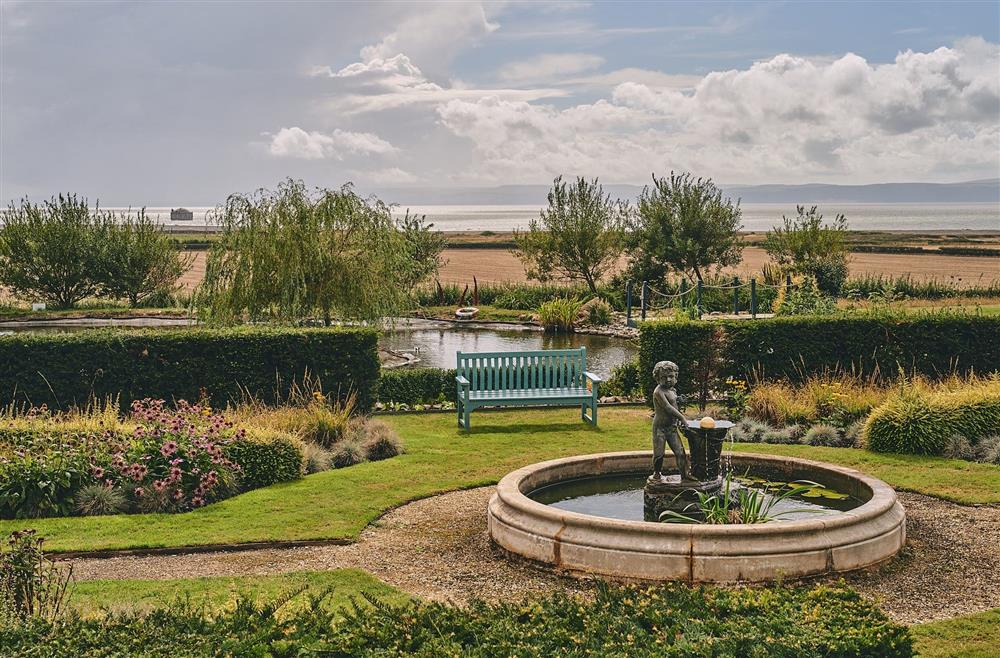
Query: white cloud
[(921, 117), (297, 143), (387, 176), (548, 66)]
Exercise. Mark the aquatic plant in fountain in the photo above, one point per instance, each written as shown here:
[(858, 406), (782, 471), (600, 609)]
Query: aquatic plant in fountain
[(744, 505)]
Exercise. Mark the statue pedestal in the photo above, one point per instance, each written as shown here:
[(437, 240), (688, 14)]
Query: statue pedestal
[(670, 493)]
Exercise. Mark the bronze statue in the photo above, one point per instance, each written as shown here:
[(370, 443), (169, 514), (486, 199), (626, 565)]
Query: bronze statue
[(666, 419)]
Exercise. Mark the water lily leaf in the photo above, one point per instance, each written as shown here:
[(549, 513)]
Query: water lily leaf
[(813, 493), (834, 495)]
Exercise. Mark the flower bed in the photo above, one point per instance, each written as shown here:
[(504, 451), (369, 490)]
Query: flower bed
[(159, 461)]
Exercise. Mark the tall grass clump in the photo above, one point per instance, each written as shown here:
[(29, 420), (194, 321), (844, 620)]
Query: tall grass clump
[(920, 419), (559, 314), (905, 286), (836, 399)]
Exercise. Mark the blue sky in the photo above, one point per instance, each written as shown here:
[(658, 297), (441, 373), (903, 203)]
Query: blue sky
[(184, 102)]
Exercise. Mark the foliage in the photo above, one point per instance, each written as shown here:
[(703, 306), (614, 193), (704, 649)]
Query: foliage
[(824, 435), (519, 296), (625, 380), (348, 453), (416, 386), (836, 399), (559, 314), (917, 419), (423, 248), (740, 505), (313, 418), (63, 370), (579, 236), (683, 224), (316, 458), (31, 585), (675, 620), (289, 254), (381, 441), (51, 252), (139, 259), (905, 286), (804, 298), (168, 461), (598, 313), (807, 245)]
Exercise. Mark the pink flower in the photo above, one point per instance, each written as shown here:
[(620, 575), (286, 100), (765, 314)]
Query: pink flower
[(97, 472), (168, 448), (197, 501), (139, 491), (160, 485), (177, 495)]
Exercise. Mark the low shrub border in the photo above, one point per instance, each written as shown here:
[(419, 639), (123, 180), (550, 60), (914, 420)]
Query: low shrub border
[(62, 370), (794, 348), (416, 386), (673, 620)]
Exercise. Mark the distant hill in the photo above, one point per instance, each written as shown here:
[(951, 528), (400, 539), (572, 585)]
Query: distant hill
[(979, 191)]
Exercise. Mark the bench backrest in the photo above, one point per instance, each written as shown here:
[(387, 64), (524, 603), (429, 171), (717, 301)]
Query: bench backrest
[(507, 371)]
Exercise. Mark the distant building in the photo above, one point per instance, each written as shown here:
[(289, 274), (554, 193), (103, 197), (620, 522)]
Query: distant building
[(181, 215)]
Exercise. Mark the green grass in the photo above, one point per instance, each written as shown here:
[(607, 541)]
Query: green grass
[(339, 504), (971, 636), (486, 313), (94, 597)]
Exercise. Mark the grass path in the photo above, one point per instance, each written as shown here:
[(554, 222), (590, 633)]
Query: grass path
[(338, 504)]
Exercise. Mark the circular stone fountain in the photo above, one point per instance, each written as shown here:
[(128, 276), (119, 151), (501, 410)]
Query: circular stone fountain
[(869, 530)]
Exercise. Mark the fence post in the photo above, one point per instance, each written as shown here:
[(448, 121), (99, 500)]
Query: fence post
[(700, 283), (736, 295), (788, 285), (645, 298), (628, 304), (753, 298)]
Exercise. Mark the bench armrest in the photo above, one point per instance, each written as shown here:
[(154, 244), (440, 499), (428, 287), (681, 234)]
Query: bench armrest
[(462, 381), (592, 377)]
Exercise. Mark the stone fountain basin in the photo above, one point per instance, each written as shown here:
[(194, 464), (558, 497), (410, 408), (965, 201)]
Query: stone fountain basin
[(637, 550)]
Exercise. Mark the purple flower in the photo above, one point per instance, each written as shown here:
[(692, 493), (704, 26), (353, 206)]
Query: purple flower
[(139, 491), (168, 448)]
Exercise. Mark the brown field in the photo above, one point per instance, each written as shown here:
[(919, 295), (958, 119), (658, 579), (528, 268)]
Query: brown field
[(498, 265)]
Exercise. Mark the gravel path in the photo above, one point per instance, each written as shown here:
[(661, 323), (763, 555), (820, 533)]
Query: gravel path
[(438, 548)]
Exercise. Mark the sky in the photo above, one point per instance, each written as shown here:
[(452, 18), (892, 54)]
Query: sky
[(163, 103)]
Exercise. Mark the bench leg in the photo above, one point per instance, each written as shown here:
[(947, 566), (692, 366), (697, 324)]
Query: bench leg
[(463, 413), (592, 418)]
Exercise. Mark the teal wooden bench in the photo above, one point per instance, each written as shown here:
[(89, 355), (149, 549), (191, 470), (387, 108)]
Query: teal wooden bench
[(518, 379)]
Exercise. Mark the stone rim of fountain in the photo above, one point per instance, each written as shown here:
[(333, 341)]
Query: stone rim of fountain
[(640, 550)]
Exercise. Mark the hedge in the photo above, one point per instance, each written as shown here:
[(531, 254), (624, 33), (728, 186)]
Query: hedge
[(267, 457), (416, 386), (793, 348), (62, 370), (920, 422), (672, 620)]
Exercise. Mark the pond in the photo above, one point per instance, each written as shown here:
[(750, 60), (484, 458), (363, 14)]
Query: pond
[(436, 343)]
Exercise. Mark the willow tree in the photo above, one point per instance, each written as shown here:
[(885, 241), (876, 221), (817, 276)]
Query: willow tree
[(578, 237), (289, 254)]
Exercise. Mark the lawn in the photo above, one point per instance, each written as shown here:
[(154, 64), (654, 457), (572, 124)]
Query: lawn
[(971, 636), (94, 597), (338, 504)]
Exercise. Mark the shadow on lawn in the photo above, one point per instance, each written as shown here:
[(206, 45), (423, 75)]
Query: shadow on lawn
[(530, 428)]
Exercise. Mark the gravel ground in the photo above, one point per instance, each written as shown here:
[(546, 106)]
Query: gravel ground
[(438, 548)]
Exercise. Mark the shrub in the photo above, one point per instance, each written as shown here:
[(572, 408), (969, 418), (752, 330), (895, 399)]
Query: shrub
[(919, 420), (99, 500), (316, 458), (750, 431), (958, 447), (31, 585), (854, 434), (804, 298), (598, 312), (672, 620), (625, 380), (988, 450), (824, 435), (381, 441), (559, 314), (266, 458), (63, 370), (319, 421), (416, 386), (348, 453)]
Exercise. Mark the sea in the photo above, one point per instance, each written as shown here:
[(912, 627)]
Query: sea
[(949, 217)]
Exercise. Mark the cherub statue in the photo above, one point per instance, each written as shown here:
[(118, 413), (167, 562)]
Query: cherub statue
[(665, 421)]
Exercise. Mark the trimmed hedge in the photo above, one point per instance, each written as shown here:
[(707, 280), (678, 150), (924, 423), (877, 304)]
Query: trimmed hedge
[(62, 370), (793, 348), (416, 386), (921, 422), (267, 457), (673, 620)]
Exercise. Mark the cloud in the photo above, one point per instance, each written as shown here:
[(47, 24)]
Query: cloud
[(785, 118), (382, 84), (297, 143), (387, 176), (548, 66)]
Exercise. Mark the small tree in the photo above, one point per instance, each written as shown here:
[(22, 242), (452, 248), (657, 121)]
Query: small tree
[(683, 224), (139, 259), (52, 251), (578, 237), (807, 245), (289, 255)]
